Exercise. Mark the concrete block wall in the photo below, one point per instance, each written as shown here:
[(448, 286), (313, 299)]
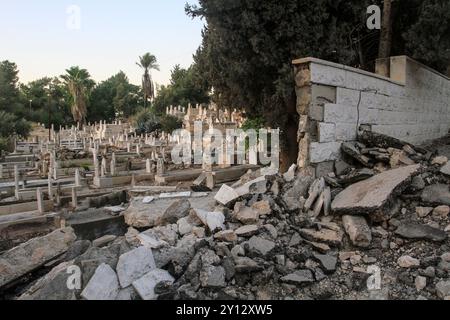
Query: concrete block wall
[(334, 101)]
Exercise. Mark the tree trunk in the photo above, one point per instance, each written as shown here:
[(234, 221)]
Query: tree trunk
[(289, 145), (386, 31)]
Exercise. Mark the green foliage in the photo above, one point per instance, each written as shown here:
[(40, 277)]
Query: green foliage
[(185, 87), (254, 123), (170, 123), (145, 121), (79, 84), (114, 96), (148, 62)]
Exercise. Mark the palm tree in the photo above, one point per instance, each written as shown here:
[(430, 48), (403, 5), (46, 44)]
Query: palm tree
[(79, 83), (148, 62)]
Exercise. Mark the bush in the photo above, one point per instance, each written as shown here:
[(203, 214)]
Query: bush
[(170, 123), (146, 121)]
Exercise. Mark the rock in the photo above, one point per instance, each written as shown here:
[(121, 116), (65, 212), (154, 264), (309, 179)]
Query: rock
[(246, 265), (212, 277), (139, 215), (429, 272), (127, 294), (299, 277), (408, 262), (247, 231), (420, 282), (52, 286), (445, 257), (184, 227), (443, 289), (440, 160), (226, 195), (76, 249), (331, 237), (358, 230), (145, 286), (399, 158), (422, 212), (150, 241), (446, 169), (371, 196), (441, 212), (417, 183), (272, 230), (256, 186), (103, 285), (227, 236), (290, 174), (262, 207), (341, 167), (34, 253), (134, 264), (350, 149), (213, 220), (177, 210), (411, 230), (294, 197), (103, 241), (166, 233), (436, 194), (261, 245), (356, 176), (148, 200), (246, 215), (327, 262), (447, 228)]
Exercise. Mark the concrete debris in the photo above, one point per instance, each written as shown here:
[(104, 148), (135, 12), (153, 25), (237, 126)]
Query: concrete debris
[(103, 285), (145, 286), (358, 230), (134, 264)]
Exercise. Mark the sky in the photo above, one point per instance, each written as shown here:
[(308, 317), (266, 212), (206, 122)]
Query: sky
[(45, 37)]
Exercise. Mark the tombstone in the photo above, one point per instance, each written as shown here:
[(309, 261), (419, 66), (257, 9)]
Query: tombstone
[(55, 171), (133, 181), (128, 147), (96, 166), (253, 155), (210, 180), (160, 167), (74, 198), (148, 166), (1, 171), (50, 189), (103, 168), (16, 182), (77, 178), (39, 199), (138, 150)]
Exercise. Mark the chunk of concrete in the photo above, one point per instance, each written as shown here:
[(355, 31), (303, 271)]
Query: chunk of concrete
[(261, 245), (436, 194), (358, 230), (134, 264), (213, 220), (412, 230), (145, 286), (226, 195), (33, 254), (176, 211), (299, 277), (372, 196), (103, 285), (103, 241)]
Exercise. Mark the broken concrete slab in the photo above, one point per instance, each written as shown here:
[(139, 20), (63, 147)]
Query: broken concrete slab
[(244, 214), (328, 236), (145, 286), (436, 194), (446, 169), (226, 195), (247, 231), (358, 230), (103, 241), (33, 254), (176, 211), (212, 277), (373, 196), (103, 285), (260, 245), (134, 264), (299, 277), (213, 220), (412, 230)]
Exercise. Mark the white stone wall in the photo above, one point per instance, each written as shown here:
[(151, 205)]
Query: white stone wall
[(412, 105)]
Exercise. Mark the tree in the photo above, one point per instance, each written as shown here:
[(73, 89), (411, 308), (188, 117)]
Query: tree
[(185, 88), (386, 30), (148, 62), (9, 88), (248, 47), (114, 96), (79, 84)]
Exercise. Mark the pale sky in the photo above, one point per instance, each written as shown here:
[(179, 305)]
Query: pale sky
[(45, 37)]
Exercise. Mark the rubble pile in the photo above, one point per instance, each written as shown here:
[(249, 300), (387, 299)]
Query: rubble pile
[(375, 228)]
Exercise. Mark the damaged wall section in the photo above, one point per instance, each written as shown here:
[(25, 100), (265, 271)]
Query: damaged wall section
[(334, 101)]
